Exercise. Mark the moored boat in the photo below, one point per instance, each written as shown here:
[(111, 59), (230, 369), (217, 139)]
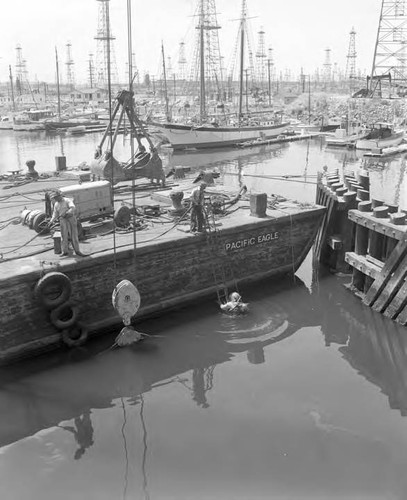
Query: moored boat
[(244, 126), (381, 135), (169, 267), (210, 136)]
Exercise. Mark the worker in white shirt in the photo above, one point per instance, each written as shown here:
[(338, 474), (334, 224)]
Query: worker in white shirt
[(65, 212)]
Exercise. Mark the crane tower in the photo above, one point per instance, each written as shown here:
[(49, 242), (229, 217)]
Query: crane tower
[(105, 55), (389, 70)]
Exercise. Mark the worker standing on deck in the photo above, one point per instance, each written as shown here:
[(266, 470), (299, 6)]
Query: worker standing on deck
[(64, 211), (197, 207)]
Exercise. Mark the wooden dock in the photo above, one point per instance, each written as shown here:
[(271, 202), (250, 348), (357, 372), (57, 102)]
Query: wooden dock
[(367, 238)]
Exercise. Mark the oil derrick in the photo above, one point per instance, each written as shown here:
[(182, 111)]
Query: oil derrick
[(91, 71), (261, 59), (327, 66), (105, 55), (170, 71), (182, 62), (270, 72), (21, 70), (70, 76), (350, 73), (389, 72), (207, 58)]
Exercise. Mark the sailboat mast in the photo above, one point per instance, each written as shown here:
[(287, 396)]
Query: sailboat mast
[(167, 110), (12, 88), (242, 22), (202, 90), (58, 91)]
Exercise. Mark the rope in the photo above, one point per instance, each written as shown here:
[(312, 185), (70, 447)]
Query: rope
[(126, 454)]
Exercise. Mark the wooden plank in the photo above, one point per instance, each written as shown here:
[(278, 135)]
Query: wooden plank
[(393, 285), (360, 263), (398, 303), (381, 226), (388, 269), (327, 221)]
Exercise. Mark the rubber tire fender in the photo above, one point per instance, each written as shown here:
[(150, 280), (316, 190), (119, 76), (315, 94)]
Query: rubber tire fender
[(75, 336), (53, 289), (64, 316)]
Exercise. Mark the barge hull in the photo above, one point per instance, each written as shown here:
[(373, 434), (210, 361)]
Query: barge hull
[(168, 274)]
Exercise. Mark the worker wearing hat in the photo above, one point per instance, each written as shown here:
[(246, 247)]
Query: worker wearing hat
[(64, 211), (197, 214)]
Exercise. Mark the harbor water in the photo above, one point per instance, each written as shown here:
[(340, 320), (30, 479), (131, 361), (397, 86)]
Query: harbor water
[(305, 397)]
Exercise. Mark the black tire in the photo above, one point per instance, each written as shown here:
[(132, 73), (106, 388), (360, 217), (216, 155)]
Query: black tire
[(122, 216), (64, 316), (53, 289), (75, 336)]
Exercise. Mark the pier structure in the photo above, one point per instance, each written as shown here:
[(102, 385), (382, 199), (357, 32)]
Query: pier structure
[(363, 236)]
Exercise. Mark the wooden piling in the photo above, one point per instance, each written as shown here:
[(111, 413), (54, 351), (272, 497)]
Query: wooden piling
[(370, 237)]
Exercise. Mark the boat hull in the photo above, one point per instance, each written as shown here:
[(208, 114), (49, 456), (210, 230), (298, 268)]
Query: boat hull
[(386, 142), (189, 137), (28, 127), (168, 274)]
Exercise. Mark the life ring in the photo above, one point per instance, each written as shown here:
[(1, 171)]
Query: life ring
[(75, 336), (53, 289), (64, 316)]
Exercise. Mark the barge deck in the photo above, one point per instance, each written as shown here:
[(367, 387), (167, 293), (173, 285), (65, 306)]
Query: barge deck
[(170, 266)]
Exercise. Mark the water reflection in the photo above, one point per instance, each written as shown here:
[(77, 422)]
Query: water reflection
[(54, 389), (82, 431), (373, 345)]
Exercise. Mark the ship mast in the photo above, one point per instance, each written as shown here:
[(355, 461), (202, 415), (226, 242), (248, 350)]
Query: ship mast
[(242, 30), (206, 68)]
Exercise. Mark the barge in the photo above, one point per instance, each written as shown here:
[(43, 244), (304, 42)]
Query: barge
[(47, 299)]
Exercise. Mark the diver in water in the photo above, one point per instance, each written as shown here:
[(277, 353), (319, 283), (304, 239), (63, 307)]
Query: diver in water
[(235, 304)]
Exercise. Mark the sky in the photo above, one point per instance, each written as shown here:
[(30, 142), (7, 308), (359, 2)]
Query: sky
[(299, 32)]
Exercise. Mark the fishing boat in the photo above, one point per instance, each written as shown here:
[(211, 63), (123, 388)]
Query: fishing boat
[(206, 132), (31, 120), (381, 135), (346, 135)]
